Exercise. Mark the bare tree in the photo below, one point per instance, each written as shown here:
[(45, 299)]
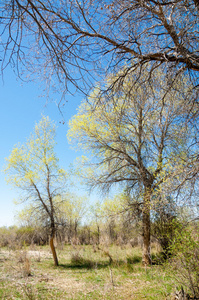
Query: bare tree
[(80, 41)]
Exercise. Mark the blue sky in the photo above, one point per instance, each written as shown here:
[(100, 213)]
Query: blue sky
[(21, 106)]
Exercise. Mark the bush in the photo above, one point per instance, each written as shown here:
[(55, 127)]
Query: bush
[(134, 259), (78, 260), (185, 258), (25, 235), (8, 236), (164, 224)]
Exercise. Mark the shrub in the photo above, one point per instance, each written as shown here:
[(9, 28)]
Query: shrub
[(25, 235), (164, 224), (185, 258), (78, 260), (8, 236), (134, 259)]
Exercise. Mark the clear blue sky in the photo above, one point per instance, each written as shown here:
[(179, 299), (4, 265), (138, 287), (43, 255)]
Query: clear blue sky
[(20, 108)]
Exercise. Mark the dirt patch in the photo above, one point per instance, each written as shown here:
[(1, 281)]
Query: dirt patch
[(6, 254), (38, 254)]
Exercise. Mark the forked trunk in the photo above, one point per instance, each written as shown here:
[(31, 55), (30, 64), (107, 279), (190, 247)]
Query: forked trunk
[(146, 254), (53, 250)]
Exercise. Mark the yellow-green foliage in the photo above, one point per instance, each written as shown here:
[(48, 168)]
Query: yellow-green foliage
[(33, 167), (27, 163), (71, 207), (134, 128), (185, 259)]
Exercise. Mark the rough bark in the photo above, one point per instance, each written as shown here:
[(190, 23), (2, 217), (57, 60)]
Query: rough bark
[(146, 254), (52, 240), (53, 250)]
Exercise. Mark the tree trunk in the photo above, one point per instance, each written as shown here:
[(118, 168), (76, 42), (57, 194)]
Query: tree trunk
[(53, 250), (70, 232), (75, 228), (89, 236), (146, 254), (98, 234)]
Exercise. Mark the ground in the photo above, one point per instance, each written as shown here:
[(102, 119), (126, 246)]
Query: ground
[(85, 272)]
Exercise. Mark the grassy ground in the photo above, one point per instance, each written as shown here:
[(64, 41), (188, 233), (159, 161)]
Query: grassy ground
[(84, 273)]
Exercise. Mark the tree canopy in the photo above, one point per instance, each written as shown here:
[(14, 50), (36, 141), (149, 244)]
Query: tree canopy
[(139, 126), (80, 41)]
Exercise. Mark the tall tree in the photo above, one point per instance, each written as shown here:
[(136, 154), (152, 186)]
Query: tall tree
[(33, 169), (139, 138), (81, 40)]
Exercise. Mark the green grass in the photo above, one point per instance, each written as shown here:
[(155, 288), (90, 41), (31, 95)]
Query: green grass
[(88, 275)]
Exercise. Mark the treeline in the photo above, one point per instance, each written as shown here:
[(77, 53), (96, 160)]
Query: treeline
[(99, 228), (114, 221), (93, 234)]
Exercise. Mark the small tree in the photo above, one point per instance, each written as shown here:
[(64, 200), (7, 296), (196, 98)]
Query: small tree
[(33, 169)]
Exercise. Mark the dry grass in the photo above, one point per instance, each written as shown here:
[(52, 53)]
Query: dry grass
[(84, 273)]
